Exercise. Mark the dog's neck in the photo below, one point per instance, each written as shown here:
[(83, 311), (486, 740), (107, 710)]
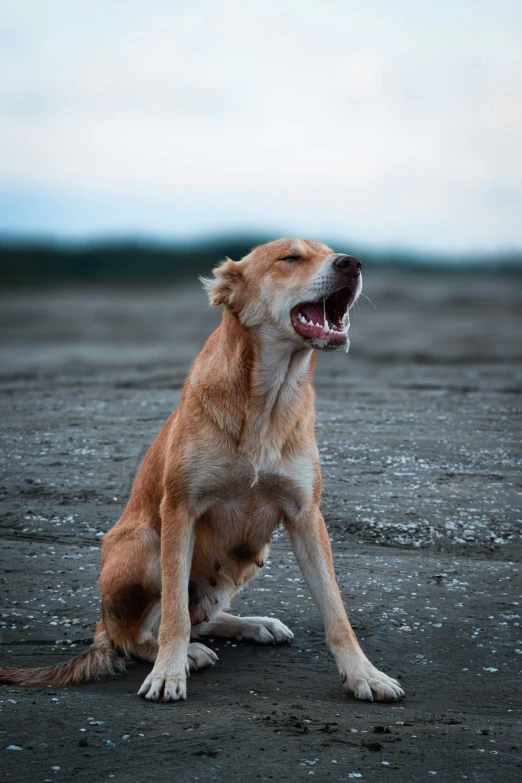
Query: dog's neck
[(254, 384)]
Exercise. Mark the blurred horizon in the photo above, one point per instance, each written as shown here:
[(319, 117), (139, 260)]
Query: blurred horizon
[(397, 126), (132, 260)]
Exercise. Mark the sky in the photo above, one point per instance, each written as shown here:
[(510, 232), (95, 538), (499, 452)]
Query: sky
[(395, 125)]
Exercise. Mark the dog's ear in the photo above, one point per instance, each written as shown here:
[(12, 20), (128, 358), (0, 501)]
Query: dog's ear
[(227, 281)]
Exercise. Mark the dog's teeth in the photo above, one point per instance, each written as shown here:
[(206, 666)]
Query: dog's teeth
[(302, 318)]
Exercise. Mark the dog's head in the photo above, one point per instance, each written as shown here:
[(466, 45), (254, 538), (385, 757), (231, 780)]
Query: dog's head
[(298, 288)]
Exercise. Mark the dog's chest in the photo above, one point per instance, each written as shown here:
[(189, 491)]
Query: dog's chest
[(241, 503), (256, 490)]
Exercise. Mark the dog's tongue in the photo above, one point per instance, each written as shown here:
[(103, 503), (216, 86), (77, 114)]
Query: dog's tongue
[(313, 311)]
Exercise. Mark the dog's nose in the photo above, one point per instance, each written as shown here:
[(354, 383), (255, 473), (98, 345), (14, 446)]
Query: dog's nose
[(348, 265)]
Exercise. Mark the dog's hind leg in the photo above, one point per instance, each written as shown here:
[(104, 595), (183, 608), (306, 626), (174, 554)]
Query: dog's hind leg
[(146, 645), (198, 655), (264, 630), (129, 583)]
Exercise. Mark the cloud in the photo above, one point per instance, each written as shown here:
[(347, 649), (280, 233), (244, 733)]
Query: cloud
[(389, 124)]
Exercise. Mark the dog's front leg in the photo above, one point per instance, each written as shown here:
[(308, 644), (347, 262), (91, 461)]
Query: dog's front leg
[(168, 679), (311, 546)]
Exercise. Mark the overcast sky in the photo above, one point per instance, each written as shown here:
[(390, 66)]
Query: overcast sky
[(389, 123)]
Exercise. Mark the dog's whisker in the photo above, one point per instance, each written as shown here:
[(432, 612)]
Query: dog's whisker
[(370, 301)]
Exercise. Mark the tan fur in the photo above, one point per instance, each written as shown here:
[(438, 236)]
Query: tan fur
[(235, 459)]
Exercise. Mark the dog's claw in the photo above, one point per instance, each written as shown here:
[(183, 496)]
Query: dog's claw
[(200, 656), (162, 685), (265, 630), (369, 684), (164, 688)]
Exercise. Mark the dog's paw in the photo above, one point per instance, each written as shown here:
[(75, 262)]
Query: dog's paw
[(165, 683), (366, 682), (200, 656), (265, 630)]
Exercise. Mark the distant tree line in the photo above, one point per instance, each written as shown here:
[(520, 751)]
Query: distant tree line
[(141, 262)]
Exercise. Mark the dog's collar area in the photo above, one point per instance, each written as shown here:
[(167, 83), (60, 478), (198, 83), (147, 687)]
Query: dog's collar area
[(322, 321)]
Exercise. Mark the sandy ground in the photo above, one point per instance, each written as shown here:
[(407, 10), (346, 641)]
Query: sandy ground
[(419, 432)]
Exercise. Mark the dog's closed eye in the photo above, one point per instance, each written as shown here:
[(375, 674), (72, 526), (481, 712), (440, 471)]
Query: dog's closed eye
[(290, 258)]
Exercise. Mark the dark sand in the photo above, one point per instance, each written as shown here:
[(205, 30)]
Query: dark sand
[(420, 438)]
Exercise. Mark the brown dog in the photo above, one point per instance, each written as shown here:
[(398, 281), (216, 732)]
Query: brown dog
[(235, 459)]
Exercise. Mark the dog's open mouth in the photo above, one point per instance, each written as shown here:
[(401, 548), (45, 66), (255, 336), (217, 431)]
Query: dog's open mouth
[(322, 322)]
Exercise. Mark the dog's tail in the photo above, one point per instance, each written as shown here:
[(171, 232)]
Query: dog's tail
[(99, 660)]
